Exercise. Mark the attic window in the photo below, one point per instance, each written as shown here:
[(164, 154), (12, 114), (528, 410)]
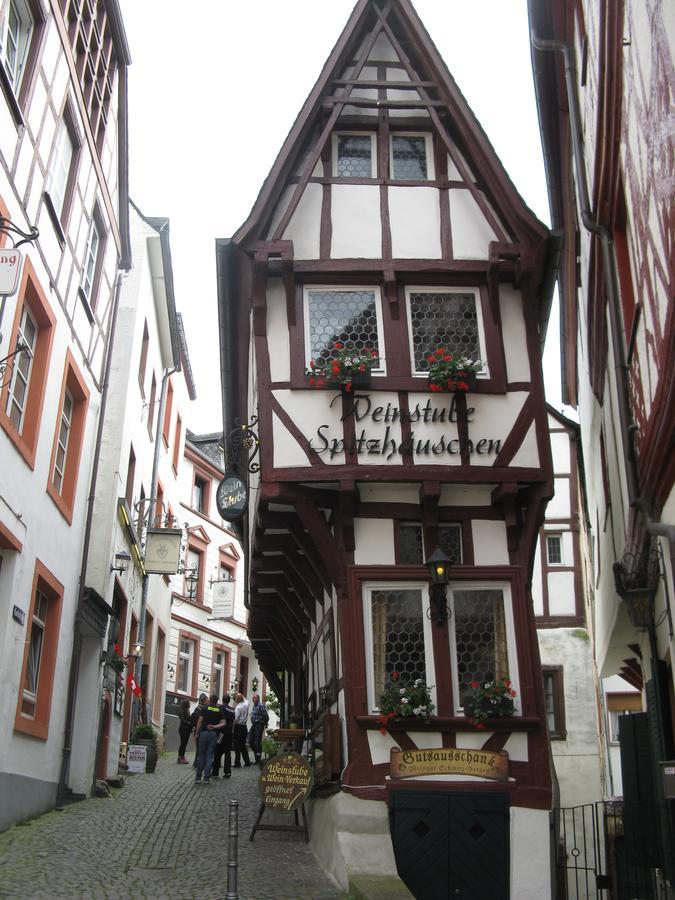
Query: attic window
[(411, 157), (354, 155)]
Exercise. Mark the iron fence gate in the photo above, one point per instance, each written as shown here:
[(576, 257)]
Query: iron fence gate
[(600, 855)]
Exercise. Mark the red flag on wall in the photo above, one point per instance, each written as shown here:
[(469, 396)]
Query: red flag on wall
[(133, 685)]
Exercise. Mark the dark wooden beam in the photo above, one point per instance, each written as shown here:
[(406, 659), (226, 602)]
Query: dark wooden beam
[(316, 525)]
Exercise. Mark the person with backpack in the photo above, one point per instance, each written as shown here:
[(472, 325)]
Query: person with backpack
[(259, 720)]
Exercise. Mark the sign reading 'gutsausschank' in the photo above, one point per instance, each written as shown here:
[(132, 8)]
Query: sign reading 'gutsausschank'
[(449, 761)]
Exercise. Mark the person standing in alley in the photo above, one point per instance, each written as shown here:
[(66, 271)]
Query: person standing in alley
[(184, 729), (209, 725), (239, 731), (223, 749), (194, 718), (259, 719)]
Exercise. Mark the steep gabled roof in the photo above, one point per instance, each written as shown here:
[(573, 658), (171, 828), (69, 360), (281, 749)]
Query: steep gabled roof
[(448, 111)]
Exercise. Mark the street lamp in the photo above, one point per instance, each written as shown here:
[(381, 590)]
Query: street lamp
[(192, 580), (122, 560), (439, 570)]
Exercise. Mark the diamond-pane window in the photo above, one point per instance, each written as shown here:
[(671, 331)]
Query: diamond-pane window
[(354, 156), (443, 319), (450, 542), (411, 544), (480, 636), (348, 316), (398, 636), (408, 157)]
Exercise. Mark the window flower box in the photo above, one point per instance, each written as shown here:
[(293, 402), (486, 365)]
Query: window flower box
[(488, 700), (449, 372), (343, 367)]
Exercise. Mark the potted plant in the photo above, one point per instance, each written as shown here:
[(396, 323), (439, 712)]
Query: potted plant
[(145, 736), (270, 747), (343, 366), (117, 661), (404, 700), (452, 372), (488, 700)]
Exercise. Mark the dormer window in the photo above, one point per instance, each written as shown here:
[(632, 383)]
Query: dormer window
[(445, 318), (411, 157), (349, 316), (354, 155)]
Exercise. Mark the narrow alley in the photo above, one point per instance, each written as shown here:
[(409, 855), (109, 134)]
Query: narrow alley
[(159, 836)]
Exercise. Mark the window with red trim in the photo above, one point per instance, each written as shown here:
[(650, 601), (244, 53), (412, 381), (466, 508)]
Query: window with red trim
[(176, 442), (22, 396), (39, 660), (151, 406), (143, 361), (166, 424), (65, 462), (201, 492)]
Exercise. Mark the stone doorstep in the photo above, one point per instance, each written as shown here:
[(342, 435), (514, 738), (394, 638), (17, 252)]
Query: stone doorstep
[(378, 887)]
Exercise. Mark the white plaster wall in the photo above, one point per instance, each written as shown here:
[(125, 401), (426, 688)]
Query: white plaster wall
[(355, 220), (471, 232), (527, 454), (561, 593), (277, 331), (433, 432), (310, 410), (513, 330), (537, 578), (560, 452), (305, 225), (466, 495), (494, 417), (374, 542), (530, 854), (415, 219), (559, 505), (389, 435), (489, 543), (382, 492), (287, 451)]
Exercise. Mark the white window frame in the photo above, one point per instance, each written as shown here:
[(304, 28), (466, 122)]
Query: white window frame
[(91, 252), (444, 289), (20, 39), (218, 669), (190, 657), (511, 646), (428, 149), (355, 133), (367, 589), (12, 399), (558, 535), (63, 440), (29, 695), (61, 166), (346, 289)]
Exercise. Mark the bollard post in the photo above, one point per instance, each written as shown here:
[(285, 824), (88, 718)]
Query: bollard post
[(233, 852)]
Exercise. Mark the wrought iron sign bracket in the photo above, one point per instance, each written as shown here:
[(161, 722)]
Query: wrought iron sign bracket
[(10, 229), (243, 445)]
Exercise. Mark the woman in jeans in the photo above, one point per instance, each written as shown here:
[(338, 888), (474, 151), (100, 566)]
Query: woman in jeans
[(184, 730)]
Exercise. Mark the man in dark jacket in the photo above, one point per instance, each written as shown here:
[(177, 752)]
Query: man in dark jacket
[(224, 746), (194, 718), (209, 725), (259, 719)]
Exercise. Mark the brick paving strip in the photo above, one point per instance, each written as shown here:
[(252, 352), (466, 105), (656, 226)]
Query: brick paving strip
[(161, 836)]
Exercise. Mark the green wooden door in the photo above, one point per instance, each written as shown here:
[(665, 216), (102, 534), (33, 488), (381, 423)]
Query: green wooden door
[(452, 845)]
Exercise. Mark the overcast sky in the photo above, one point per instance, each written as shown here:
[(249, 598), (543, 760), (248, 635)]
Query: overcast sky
[(214, 88)]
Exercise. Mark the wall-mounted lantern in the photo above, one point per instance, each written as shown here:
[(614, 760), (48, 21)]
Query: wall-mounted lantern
[(439, 570), (122, 561)]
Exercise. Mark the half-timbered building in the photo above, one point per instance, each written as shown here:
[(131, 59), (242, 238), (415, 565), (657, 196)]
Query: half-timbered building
[(388, 231)]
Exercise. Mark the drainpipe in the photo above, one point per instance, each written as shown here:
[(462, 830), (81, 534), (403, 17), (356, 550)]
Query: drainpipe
[(153, 500), (73, 674)]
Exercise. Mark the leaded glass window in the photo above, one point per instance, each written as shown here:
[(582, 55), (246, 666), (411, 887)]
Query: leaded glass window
[(450, 542), (480, 636), (554, 549), (411, 543), (408, 157), (350, 317), (398, 636), (443, 319), (354, 156)]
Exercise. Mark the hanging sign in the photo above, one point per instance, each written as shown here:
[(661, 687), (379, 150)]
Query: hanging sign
[(285, 782), (232, 497), (10, 271), (162, 550), (223, 600), (449, 761)]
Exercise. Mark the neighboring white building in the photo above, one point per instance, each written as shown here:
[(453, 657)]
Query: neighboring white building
[(208, 648), (150, 387), (560, 588), (63, 169)]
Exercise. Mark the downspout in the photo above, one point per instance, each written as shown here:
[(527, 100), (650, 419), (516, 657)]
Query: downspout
[(153, 500), (73, 674), (628, 427)]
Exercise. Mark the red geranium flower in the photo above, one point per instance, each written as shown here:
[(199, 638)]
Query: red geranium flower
[(338, 345), (395, 676)]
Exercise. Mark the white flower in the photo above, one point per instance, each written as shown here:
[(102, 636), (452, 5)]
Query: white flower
[(419, 681), (402, 691), (418, 710), (404, 700)]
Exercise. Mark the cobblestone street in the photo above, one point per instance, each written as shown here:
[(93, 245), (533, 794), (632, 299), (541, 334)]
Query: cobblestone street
[(160, 836)]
